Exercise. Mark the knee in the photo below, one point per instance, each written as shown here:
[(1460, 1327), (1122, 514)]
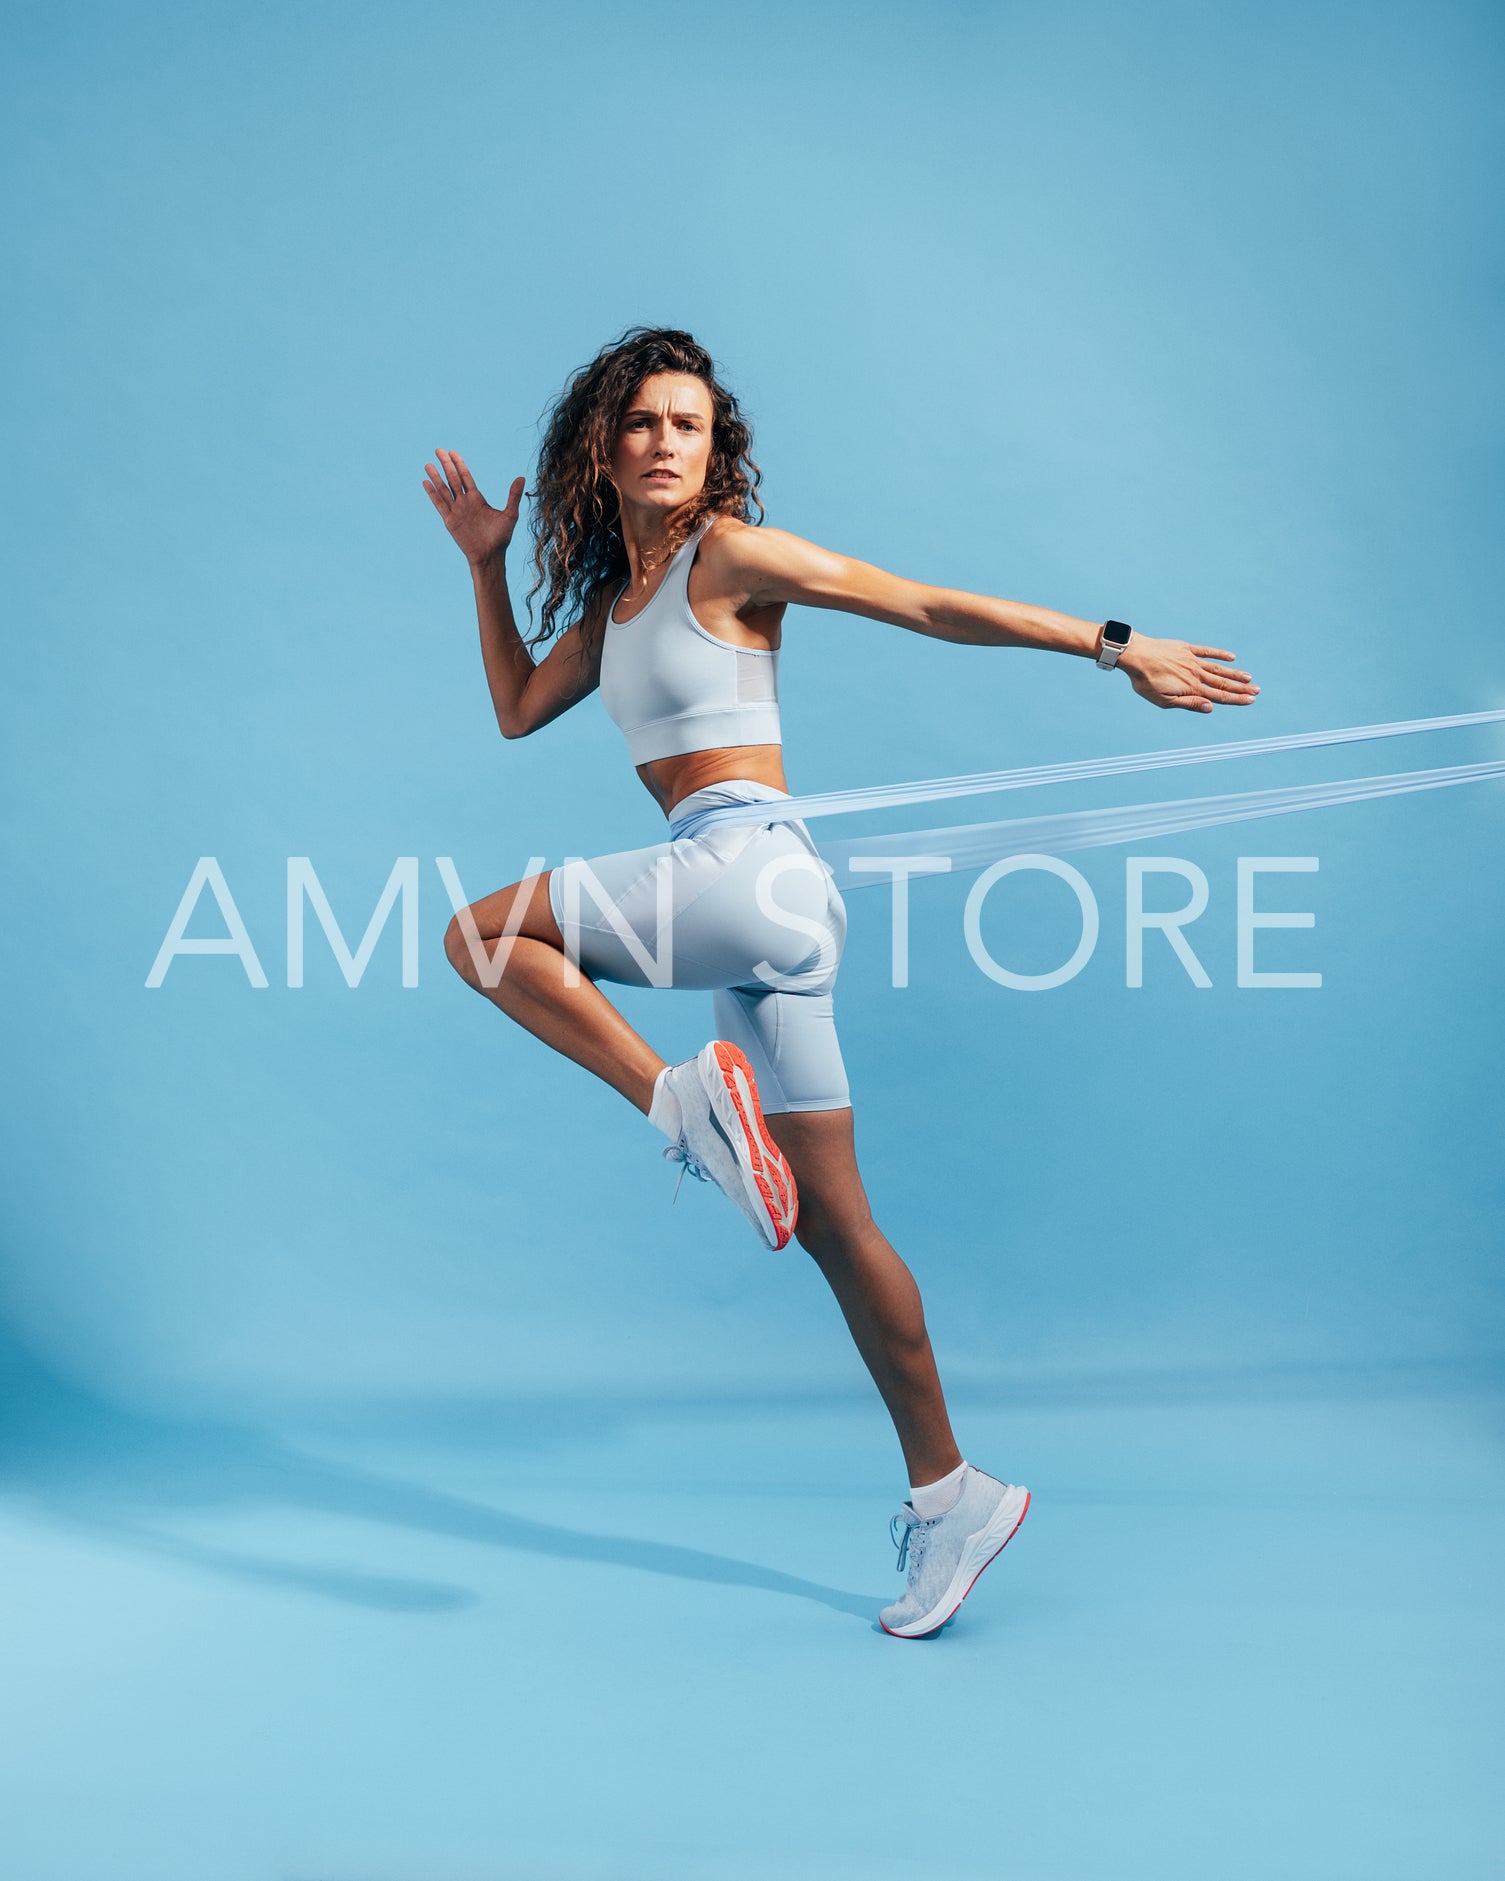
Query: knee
[(457, 948), (830, 1236)]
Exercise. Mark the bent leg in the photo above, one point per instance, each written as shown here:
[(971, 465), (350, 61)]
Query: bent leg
[(532, 988), (875, 1290)]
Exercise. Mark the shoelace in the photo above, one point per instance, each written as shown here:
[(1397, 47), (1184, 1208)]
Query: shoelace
[(913, 1527), (681, 1153)]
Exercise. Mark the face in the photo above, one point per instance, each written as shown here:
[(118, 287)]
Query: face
[(664, 443)]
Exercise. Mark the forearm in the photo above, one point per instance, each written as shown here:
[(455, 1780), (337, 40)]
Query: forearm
[(981, 620), (1166, 672), (509, 665)]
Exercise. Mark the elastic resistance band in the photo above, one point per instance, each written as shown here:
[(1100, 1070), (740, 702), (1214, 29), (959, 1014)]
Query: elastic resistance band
[(890, 796), (968, 846)]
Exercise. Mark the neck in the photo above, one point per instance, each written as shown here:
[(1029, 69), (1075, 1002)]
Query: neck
[(647, 535)]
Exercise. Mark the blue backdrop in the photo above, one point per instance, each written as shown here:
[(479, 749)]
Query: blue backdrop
[(1184, 315)]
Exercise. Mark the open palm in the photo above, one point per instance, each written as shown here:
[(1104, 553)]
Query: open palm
[(480, 530)]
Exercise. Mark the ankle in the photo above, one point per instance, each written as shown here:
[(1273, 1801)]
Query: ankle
[(931, 1499), (664, 1111)]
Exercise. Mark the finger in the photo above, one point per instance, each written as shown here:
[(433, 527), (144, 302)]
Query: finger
[(1208, 669), (515, 495), (1213, 653), (437, 488), (1234, 688), (1208, 691), (458, 481), (464, 469)]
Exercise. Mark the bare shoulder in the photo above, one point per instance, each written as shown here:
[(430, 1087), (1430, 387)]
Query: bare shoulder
[(754, 552), (727, 538)]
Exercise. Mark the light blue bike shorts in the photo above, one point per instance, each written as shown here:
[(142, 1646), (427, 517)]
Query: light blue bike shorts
[(750, 910)]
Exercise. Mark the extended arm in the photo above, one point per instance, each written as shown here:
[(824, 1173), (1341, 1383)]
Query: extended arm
[(524, 696), (778, 567)]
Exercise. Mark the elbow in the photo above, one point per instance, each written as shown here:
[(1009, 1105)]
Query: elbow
[(935, 615)]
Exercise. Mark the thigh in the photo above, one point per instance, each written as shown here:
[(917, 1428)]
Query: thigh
[(741, 903), (791, 1043), (521, 909), (616, 913)]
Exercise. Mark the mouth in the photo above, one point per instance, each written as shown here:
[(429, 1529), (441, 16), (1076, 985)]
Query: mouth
[(661, 476)]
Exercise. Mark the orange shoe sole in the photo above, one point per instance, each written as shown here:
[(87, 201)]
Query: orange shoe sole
[(771, 1171)]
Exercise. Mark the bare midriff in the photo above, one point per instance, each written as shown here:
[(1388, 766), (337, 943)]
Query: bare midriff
[(671, 780)]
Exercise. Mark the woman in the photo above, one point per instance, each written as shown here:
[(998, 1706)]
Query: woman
[(646, 545)]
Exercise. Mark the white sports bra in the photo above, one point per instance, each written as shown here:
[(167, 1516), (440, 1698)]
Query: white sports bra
[(672, 687)]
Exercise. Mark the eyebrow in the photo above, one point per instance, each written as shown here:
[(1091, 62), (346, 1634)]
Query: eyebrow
[(642, 411)]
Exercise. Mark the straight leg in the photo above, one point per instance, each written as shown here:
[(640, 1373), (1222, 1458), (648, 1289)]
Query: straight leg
[(874, 1289)]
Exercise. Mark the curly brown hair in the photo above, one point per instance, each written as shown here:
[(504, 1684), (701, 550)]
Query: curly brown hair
[(577, 531)]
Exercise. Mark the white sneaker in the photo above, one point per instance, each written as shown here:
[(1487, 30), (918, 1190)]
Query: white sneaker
[(947, 1553), (723, 1139)]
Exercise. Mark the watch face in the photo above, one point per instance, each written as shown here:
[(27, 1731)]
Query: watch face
[(1116, 633)]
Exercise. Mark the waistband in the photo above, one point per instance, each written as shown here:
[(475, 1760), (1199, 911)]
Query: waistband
[(687, 812)]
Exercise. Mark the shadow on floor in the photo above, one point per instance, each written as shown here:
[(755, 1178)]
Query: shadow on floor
[(120, 1473), (84, 1461)]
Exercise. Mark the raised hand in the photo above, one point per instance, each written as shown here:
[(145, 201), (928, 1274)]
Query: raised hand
[(481, 531), (1169, 673)]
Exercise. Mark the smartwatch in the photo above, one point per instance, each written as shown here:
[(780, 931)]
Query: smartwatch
[(1116, 635)]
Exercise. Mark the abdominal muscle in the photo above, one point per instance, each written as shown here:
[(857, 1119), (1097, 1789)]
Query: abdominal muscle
[(671, 780)]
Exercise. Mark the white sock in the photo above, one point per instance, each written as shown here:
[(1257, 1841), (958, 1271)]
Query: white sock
[(932, 1499), (664, 1113)]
